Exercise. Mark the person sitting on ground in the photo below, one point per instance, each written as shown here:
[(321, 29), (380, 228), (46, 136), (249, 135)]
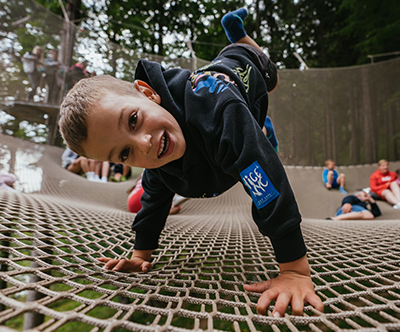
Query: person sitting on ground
[(7, 182), (354, 207), (81, 165), (121, 172), (197, 134), (383, 183), (332, 178), (135, 195)]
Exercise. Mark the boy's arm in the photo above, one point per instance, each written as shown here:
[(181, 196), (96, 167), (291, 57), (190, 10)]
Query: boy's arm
[(245, 153), (156, 203), (148, 225), (325, 175)]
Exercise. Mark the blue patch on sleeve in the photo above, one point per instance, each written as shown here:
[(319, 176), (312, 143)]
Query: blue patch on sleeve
[(261, 189)]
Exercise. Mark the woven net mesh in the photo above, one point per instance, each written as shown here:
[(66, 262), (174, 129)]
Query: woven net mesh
[(51, 234), (52, 231)]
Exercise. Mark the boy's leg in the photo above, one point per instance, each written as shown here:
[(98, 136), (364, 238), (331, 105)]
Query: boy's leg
[(232, 23), (342, 182), (330, 180)]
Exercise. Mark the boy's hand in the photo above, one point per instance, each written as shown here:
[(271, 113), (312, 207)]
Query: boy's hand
[(139, 262), (293, 286)]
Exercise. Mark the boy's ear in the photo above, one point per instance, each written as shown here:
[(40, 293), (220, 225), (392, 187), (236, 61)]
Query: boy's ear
[(147, 90)]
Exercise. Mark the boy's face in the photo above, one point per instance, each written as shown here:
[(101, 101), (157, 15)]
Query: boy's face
[(133, 130), (331, 166)]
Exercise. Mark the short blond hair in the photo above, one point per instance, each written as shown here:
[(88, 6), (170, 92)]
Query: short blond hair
[(328, 161), (79, 103), (380, 162)]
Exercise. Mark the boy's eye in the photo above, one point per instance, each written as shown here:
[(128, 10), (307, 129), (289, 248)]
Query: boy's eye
[(133, 120), (124, 154)]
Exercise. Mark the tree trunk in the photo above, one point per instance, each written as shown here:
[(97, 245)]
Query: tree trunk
[(369, 134)]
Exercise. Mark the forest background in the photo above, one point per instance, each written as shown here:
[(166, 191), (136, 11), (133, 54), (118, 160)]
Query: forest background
[(331, 33), (297, 34)]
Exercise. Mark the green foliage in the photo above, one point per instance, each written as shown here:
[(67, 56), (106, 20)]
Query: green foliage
[(328, 33), (374, 25)]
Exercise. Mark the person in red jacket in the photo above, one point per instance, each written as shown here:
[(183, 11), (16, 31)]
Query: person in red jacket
[(383, 183)]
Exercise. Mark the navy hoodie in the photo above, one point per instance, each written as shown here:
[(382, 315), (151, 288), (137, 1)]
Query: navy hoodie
[(221, 109)]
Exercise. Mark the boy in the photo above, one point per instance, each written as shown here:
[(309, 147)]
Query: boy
[(332, 178), (197, 135)]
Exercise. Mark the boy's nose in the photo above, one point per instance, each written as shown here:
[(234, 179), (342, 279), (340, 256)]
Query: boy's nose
[(145, 143)]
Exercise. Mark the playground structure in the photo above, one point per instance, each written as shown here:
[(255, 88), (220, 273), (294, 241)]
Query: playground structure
[(51, 233)]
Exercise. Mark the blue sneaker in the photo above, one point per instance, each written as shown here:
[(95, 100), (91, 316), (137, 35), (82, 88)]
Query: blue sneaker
[(341, 189)]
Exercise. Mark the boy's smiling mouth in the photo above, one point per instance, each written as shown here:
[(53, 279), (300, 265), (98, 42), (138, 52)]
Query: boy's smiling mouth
[(164, 145)]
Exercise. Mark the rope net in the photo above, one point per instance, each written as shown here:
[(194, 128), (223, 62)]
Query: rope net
[(50, 237), (51, 232)]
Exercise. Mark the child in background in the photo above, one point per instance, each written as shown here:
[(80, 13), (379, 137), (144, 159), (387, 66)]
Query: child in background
[(135, 195), (197, 135), (121, 172), (332, 178), (398, 176)]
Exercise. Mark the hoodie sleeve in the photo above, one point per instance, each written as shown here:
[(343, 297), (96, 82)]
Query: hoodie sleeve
[(244, 152), (156, 203)]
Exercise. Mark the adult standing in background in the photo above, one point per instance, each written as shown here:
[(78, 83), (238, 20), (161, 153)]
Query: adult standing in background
[(54, 77), (32, 64)]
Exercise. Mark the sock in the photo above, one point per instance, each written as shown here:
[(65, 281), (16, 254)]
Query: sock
[(233, 24), (90, 176)]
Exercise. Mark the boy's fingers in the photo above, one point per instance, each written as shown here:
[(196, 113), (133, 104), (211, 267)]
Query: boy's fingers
[(266, 298), (259, 287), (281, 304), (120, 265), (103, 259), (315, 301), (146, 266), (297, 306), (110, 264)]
